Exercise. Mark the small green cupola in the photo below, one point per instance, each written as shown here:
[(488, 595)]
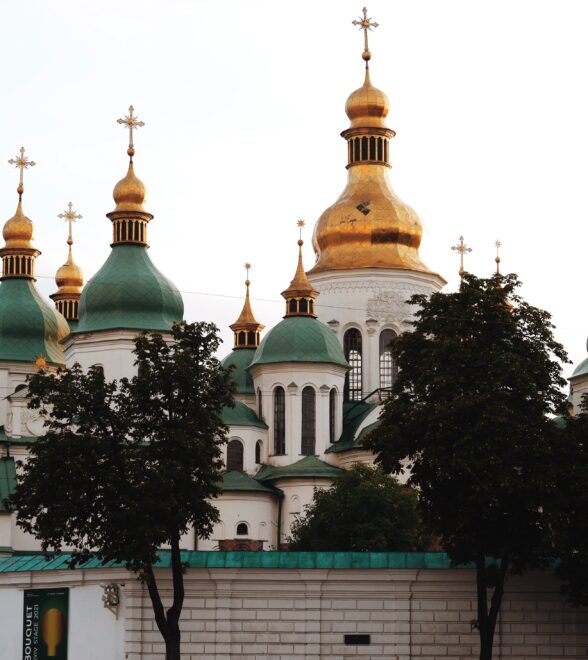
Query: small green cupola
[(129, 292), (30, 328)]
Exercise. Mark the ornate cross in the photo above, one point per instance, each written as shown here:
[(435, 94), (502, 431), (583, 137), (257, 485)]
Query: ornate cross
[(498, 245), (23, 163), (247, 268), (132, 123), (300, 224), (70, 216), (462, 248), (366, 25)]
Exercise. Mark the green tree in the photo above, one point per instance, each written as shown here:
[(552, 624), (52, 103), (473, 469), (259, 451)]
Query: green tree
[(126, 468), (478, 379), (569, 507), (364, 510)]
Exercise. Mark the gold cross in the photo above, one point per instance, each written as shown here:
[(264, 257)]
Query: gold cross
[(23, 163), (498, 245), (366, 25), (301, 224), (70, 216), (462, 248), (132, 123)]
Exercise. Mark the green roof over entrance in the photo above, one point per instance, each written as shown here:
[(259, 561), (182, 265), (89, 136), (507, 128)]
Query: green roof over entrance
[(129, 292), (300, 339), (239, 481), (29, 326), (241, 415), (309, 466)]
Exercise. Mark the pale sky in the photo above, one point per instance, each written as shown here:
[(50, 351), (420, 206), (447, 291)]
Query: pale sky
[(243, 103)]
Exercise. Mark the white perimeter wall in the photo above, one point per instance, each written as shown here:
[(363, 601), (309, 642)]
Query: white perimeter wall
[(261, 614)]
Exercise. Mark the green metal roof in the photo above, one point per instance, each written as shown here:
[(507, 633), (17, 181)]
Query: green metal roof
[(129, 292), (260, 559), (7, 480), (239, 481), (581, 369), (240, 359), (309, 466), (300, 339), (354, 413), (241, 415), (29, 326)]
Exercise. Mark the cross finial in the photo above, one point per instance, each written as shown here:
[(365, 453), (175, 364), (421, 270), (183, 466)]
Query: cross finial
[(23, 163), (132, 123), (300, 224), (247, 269), (366, 24), (70, 216), (462, 248), (498, 245)]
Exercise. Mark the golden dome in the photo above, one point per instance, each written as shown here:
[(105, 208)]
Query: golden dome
[(367, 106), (69, 277), (129, 193), (18, 231), (300, 295)]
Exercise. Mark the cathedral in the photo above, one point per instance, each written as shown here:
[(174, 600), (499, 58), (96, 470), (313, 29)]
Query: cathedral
[(307, 390)]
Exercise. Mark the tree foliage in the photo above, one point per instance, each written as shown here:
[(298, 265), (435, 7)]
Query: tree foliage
[(478, 378), (365, 510), (127, 467)]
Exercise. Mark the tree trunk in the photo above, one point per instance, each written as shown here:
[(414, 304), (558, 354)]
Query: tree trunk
[(487, 619), (172, 647)]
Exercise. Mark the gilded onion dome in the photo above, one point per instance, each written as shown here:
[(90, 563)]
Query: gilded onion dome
[(369, 226), (69, 277), (30, 328), (129, 292), (246, 328)]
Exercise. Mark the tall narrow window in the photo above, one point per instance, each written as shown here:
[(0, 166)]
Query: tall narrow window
[(353, 353), (258, 446), (364, 148), (332, 414), (387, 366), (259, 404), (308, 421), (235, 456), (279, 421)]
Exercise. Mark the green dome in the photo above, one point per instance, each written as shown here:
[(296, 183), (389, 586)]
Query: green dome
[(581, 369), (129, 292), (240, 359), (29, 326), (300, 339)]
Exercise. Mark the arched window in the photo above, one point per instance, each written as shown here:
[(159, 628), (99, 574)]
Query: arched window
[(387, 367), (258, 448), (242, 529), (279, 421), (235, 456), (353, 353), (308, 421), (259, 404), (332, 414)]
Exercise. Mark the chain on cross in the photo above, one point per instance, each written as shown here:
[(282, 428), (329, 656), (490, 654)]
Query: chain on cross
[(70, 216), (366, 24), (23, 163), (462, 248), (132, 123)]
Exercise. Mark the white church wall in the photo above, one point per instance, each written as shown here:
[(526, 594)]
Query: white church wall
[(579, 388), (298, 493), (293, 377), (249, 436), (370, 301)]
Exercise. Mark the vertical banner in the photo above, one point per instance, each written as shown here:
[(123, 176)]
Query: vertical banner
[(45, 619)]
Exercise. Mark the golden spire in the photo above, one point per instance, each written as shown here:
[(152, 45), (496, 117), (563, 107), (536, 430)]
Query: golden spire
[(463, 249), (129, 218), (18, 254), (246, 328), (366, 25), (300, 294), (498, 245), (69, 277)]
